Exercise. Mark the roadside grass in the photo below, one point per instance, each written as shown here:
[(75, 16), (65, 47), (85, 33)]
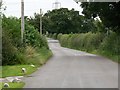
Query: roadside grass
[(37, 56), (96, 43), (12, 85), (115, 58), (33, 56), (16, 70)]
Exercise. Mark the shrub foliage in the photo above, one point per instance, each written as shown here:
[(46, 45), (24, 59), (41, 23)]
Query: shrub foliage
[(12, 48), (100, 43)]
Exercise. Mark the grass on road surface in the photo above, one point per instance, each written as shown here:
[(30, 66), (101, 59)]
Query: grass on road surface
[(13, 85)]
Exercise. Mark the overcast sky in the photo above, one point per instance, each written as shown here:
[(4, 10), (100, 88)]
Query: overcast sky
[(32, 6)]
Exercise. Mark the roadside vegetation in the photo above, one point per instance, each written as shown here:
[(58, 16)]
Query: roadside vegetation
[(97, 31), (13, 85), (97, 43), (14, 51), (17, 70), (89, 33), (16, 55), (33, 47)]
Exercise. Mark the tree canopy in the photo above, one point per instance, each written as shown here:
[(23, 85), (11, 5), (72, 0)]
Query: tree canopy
[(109, 13), (63, 21), (67, 21)]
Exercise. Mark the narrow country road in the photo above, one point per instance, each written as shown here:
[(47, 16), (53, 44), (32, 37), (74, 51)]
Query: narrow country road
[(74, 69)]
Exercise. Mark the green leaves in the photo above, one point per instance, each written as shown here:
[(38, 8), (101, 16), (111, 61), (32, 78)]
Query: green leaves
[(106, 45), (59, 21), (109, 13), (12, 48), (32, 37)]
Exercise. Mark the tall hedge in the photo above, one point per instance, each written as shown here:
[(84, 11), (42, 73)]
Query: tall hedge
[(101, 43), (10, 54), (111, 46)]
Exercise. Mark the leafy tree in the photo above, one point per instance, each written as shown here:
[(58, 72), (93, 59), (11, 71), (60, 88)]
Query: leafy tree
[(12, 26), (12, 48), (35, 21), (109, 13), (61, 21)]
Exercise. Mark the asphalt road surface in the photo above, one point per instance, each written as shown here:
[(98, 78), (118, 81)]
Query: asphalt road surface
[(70, 68)]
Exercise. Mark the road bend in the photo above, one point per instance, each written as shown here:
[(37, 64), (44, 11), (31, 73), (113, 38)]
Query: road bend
[(70, 68)]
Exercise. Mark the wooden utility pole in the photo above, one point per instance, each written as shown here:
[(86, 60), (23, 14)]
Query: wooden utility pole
[(22, 20), (41, 21), (0, 33)]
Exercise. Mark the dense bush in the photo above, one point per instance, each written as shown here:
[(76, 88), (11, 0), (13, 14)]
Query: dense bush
[(12, 48), (33, 38), (12, 26), (10, 54), (88, 41), (59, 36), (101, 43), (111, 46), (50, 35), (64, 39), (54, 36)]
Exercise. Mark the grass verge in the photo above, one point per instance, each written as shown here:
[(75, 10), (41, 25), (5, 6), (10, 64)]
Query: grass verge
[(16, 70), (37, 56), (115, 58), (34, 56), (13, 85)]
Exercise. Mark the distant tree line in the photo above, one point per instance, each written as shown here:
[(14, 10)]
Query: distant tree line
[(70, 21), (64, 21)]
